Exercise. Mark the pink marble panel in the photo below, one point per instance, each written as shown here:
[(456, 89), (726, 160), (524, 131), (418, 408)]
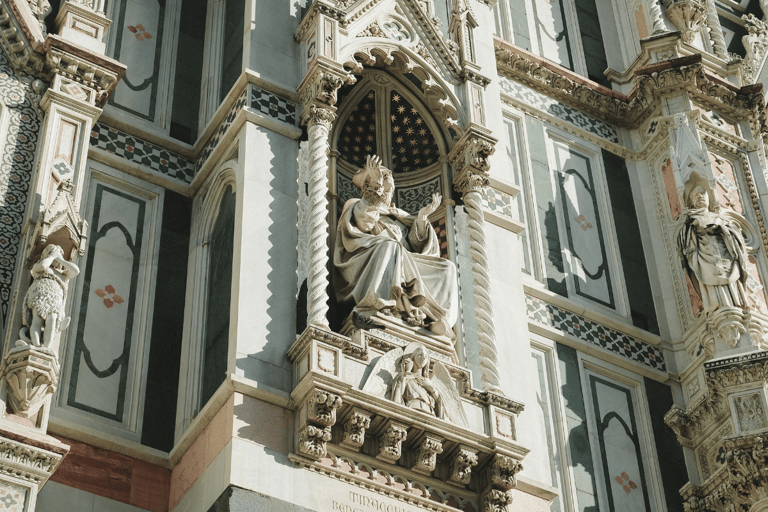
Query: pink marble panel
[(671, 186)]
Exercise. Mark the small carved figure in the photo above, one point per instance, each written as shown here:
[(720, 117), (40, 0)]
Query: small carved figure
[(44, 302), (388, 260), (712, 248), (414, 386)]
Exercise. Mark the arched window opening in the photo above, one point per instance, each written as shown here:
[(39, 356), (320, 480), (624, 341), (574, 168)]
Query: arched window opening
[(216, 344)]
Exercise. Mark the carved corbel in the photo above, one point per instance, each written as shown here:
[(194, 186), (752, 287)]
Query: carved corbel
[(31, 374), (426, 455), (494, 500), (461, 466), (321, 408), (354, 429), (391, 442), (503, 472), (312, 441)]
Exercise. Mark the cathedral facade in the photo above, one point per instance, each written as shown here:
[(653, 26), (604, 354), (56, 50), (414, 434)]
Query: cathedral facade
[(383, 255)]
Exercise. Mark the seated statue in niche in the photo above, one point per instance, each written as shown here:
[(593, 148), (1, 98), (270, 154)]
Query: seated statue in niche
[(387, 260), (713, 249), (43, 314)]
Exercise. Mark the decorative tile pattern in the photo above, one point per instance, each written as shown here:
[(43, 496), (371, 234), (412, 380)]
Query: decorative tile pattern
[(414, 198), (597, 334), (16, 168), (497, 202), (345, 189), (12, 498), (559, 110), (273, 105), (218, 134), (442, 236), (141, 152)]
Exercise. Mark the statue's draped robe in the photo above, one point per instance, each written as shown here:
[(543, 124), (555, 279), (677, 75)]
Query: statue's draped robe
[(715, 256), (378, 248)]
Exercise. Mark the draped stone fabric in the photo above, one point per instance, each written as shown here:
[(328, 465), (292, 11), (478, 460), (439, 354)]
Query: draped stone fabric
[(716, 258), (382, 254)]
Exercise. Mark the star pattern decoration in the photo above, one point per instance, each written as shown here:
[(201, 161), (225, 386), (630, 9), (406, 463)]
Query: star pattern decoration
[(413, 144), (358, 135)]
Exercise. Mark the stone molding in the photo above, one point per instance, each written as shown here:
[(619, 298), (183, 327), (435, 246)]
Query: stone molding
[(27, 462), (739, 484), (632, 110)]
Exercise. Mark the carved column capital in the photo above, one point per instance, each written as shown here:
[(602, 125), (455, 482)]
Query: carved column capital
[(391, 442), (469, 181), (315, 115), (426, 454), (354, 429), (461, 465), (323, 81)]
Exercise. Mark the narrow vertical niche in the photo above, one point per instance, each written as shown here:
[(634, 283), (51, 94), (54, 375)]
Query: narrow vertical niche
[(189, 71), (219, 295), (232, 54)]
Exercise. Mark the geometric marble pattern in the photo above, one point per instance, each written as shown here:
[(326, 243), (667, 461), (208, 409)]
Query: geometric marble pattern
[(273, 105), (141, 152), (12, 498), (442, 236), (497, 201), (218, 134), (595, 333), (559, 110), (16, 168), (345, 189)]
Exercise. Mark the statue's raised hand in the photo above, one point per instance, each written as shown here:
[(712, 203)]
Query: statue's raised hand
[(431, 207)]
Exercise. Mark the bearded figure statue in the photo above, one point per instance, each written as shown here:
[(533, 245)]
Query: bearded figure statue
[(713, 250), (387, 260)]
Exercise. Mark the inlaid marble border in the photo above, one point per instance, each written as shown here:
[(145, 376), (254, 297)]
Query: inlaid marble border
[(559, 110), (141, 152), (16, 169), (498, 202), (414, 198), (595, 333)]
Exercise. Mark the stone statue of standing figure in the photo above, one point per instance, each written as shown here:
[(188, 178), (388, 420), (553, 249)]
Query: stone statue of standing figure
[(44, 314), (713, 249)]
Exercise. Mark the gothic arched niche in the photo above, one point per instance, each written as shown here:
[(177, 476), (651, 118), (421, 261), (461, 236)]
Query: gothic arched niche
[(385, 115)]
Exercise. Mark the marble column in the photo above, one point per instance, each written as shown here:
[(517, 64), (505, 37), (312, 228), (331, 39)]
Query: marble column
[(716, 31), (318, 121)]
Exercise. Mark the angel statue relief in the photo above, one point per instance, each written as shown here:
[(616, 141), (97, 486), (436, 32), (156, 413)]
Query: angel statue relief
[(403, 376), (712, 247), (387, 260), (43, 314)]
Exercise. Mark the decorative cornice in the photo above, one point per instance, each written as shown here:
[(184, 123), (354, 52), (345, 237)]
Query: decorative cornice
[(27, 462), (630, 111)]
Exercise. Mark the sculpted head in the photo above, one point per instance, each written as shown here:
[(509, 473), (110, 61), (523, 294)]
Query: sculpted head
[(375, 182), (697, 193)]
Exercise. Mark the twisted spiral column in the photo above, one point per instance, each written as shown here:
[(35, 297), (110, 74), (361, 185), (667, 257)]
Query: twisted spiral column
[(657, 19), (318, 123), (489, 357), (716, 31)]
